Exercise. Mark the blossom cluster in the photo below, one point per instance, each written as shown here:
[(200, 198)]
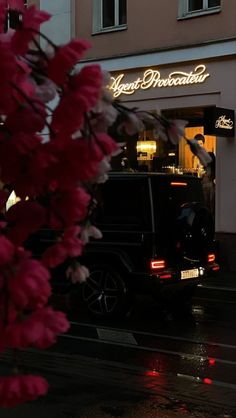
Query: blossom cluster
[(51, 156)]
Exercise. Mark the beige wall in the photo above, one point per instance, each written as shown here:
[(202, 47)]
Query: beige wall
[(152, 25), (60, 28)]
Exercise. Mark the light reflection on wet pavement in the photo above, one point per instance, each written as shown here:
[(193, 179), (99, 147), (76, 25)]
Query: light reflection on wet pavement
[(196, 351)]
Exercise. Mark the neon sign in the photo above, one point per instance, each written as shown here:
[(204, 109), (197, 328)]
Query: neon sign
[(152, 79)]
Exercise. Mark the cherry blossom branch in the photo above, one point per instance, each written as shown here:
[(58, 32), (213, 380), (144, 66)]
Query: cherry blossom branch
[(32, 104)]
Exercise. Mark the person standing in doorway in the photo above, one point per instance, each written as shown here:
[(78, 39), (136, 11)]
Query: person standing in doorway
[(207, 175), (196, 165)]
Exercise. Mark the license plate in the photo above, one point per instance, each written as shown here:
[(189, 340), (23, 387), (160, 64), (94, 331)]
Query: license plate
[(189, 274)]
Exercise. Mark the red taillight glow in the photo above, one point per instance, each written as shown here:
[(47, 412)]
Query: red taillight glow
[(212, 361), (179, 183), (207, 381), (158, 264), (216, 268), (211, 258), (152, 373), (165, 276)]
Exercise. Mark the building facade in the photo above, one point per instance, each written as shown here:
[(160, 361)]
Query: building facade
[(178, 60), (61, 27)]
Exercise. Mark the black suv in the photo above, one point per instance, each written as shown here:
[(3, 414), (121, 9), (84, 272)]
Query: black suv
[(158, 237)]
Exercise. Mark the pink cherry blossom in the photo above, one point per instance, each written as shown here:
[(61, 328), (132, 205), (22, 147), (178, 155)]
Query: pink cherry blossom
[(69, 245), (31, 21), (82, 95), (200, 152), (77, 274), (7, 250), (46, 90), (28, 286), (172, 130), (65, 59), (131, 124), (24, 218), (18, 389), (90, 231), (3, 9), (39, 330), (103, 114), (16, 4), (52, 159), (68, 207)]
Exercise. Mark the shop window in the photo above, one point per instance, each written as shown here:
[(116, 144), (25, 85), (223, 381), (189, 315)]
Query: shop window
[(191, 8), (109, 15), (13, 19), (187, 160)]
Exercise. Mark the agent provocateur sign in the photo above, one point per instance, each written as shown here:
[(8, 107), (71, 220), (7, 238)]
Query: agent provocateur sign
[(219, 121), (153, 79), (223, 123)]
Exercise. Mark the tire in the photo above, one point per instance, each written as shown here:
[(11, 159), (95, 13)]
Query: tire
[(105, 293)]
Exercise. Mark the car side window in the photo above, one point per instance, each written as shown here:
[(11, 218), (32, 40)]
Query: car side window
[(124, 203)]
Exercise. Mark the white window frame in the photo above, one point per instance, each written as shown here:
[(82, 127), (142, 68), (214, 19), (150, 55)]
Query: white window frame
[(184, 13), (97, 18)]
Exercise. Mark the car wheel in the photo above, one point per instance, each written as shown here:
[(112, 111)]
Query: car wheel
[(105, 293)]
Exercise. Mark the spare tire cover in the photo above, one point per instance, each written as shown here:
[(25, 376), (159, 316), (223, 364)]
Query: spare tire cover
[(195, 230)]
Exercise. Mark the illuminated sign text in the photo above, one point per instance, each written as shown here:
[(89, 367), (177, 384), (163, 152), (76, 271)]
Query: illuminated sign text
[(224, 123), (152, 79), (219, 121)]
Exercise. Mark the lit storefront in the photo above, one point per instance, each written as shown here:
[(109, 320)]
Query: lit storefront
[(151, 153), (204, 94)]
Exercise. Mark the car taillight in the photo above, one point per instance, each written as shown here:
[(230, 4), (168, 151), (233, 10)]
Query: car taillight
[(178, 183), (211, 258), (165, 276), (158, 264)]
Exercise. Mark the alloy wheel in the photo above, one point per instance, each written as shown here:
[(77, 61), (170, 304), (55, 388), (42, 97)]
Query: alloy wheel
[(102, 292)]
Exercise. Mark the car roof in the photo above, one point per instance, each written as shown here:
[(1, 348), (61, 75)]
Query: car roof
[(142, 174)]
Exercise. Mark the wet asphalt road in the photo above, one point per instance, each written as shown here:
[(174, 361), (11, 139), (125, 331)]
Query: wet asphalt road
[(200, 344), (190, 357), (195, 350)]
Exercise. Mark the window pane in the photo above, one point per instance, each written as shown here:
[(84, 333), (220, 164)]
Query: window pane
[(122, 12), (195, 5), (213, 3), (108, 13), (123, 202), (14, 19)]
